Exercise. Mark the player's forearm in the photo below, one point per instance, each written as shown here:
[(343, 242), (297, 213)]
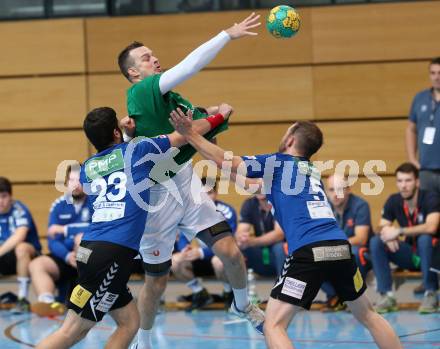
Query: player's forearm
[(58, 249), (269, 238), (11, 243), (207, 149), (193, 63), (360, 236), (201, 126), (424, 228)]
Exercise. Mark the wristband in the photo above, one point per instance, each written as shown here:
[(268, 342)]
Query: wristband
[(215, 120)]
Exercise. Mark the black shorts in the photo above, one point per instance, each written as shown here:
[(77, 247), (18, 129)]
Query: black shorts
[(307, 268), (8, 263), (104, 270), (67, 272)]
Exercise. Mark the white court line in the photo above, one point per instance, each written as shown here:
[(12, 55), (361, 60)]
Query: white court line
[(237, 321)]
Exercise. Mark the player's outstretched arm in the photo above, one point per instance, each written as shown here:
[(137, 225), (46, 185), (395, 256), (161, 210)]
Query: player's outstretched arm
[(205, 53), (201, 126), (184, 126)]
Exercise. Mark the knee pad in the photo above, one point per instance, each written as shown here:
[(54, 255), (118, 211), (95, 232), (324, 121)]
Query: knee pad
[(160, 269), (215, 233)]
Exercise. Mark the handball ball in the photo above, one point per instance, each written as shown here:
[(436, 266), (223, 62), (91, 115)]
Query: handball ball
[(283, 21)]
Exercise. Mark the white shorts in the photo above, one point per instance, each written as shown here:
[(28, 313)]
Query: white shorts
[(195, 212)]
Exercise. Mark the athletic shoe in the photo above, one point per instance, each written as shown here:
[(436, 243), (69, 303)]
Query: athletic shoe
[(199, 300), (420, 289), (184, 298), (48, 309), (8, 300), (429, 303), (252, 313), (333, 304), (22, 306), (386, 304)]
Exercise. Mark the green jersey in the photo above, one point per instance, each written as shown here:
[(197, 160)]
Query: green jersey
[(151, 111)]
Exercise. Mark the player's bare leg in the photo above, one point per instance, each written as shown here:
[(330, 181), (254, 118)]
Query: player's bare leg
[(379, 328), (44, 272), (219, 269), (73, 329), (148, 304), (127, 320), (278, 317), (235, 269)]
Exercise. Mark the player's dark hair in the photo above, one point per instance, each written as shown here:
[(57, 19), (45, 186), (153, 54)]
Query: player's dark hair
[(5, 186), (99, 126), (124, 59), (435, 60), (69, 170), (408, 167), (308, 137)]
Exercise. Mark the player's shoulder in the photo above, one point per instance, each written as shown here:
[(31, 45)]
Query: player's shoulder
[(422, 95), (428, 196), (19, 208), (58, 202), (103, 163), (147, 82), (394, 199), (358, 201)]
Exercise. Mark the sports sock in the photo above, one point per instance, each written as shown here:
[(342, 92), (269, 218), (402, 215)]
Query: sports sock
[(227, 287), (46, 298), (23, 287), (241, 298), (195, 285), (144, 339)]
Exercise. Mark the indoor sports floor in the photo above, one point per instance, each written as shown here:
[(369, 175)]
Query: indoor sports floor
[(217, 329)]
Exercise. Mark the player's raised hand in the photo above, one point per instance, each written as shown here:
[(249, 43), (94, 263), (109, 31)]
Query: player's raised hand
[(182, 123), (129, 125), (226, 110), (243, 28)]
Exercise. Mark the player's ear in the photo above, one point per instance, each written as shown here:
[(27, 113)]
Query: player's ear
[(133, 72), (117, 135), (290, 140)]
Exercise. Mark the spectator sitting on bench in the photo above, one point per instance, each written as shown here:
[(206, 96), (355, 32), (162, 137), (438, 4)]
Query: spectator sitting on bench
[(69, 217), (191, 261), (353, 216), (18, 242), (260, 238), (410, 246)]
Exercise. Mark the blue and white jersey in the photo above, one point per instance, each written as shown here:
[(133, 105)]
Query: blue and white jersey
[(19, 216), (117, 182), (74, 217), (294, 188), (229, 213)]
